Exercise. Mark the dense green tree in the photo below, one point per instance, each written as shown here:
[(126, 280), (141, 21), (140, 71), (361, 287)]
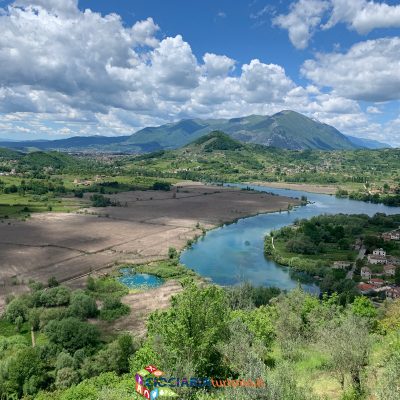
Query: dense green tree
[(64, 360), (246, 296), (259, 322), (55, 296), (363, 307), (98, 200), (66, 377), (113, 308), (162, 186), (72, 334), (17, 309), (90, 283), (113, 358), (82, 305), (25, 373), (34, 318), (191, 329), (52, 282)]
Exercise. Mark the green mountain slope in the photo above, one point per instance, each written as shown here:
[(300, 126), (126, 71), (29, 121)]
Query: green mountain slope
[(286, 129)]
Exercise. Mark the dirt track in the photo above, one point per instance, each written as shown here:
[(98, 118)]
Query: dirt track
[(70, 246)]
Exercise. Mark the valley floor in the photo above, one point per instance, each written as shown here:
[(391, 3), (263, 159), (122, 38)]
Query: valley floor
[(69, 246)]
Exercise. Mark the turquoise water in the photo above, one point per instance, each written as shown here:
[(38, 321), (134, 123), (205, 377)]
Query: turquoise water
[(234, 253), (138, 281)]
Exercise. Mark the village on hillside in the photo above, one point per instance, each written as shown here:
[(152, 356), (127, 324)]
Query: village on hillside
[(377, 270)]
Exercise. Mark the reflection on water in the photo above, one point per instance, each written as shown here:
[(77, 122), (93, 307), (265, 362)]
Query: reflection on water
[(234, 253)]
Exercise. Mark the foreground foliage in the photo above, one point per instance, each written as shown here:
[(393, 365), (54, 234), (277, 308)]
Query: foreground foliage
[(350, 350)]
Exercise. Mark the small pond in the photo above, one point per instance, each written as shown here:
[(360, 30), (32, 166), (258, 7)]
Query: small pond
[(139, 281)]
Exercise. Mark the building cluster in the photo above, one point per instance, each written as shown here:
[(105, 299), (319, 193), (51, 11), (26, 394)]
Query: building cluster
[(392, 235), (374, 282), (13, 172), (88, 182)]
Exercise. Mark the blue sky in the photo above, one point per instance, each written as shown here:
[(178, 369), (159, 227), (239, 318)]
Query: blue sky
[(98, 67)]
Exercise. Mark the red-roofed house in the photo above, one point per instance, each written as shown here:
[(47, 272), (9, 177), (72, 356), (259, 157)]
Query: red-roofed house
[(365, 288), (376, 282)]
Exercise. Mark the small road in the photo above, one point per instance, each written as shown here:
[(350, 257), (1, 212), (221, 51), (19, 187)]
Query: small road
[(360, 256)]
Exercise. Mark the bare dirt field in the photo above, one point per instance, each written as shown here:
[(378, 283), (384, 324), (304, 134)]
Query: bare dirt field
[(141, 305), (69, 246)]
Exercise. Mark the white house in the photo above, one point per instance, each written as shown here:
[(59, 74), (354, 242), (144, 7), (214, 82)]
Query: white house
[(376, 259), (341, 265), (366, 273), (379, 252), (378, 256)]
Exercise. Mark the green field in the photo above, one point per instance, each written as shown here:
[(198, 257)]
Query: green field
[(40, 182)]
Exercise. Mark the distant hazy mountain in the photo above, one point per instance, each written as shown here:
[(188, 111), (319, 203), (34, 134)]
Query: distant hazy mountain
[(368, 143), (77, 143), (286, 129)]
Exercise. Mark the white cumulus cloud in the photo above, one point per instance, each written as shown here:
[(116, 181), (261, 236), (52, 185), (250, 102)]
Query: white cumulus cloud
[(216, 65), (305, 17), (64, 71), (302, 20), (364, 16), (368, 71)]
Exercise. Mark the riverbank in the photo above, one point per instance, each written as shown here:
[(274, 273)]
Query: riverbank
[(304, 187), (69, 246), (235, 252), (331, 249)]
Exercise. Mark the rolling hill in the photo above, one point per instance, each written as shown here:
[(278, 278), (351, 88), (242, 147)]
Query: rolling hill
[(217, 157), (286, 129)]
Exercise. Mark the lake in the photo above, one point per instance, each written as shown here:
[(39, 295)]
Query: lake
[(234, 253)]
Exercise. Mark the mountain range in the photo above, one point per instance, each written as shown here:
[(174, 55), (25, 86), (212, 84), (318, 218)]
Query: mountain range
[(286, 129)]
